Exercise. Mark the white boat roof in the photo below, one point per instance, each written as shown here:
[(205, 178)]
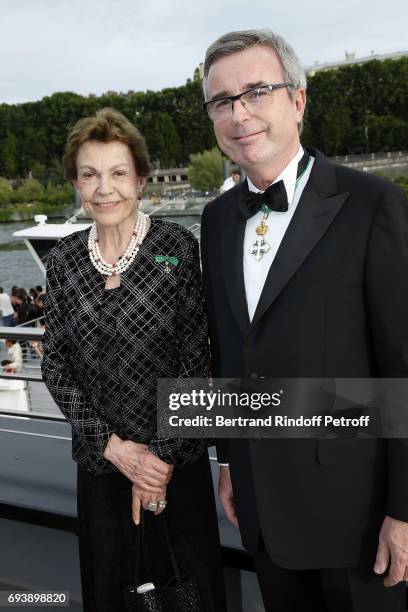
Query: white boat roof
[(50, 231)]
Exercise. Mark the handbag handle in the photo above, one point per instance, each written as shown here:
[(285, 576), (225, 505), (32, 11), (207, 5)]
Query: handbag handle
[(140, 540), (170, 549)]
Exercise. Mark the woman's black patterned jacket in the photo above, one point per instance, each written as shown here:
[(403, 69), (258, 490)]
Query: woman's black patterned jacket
[(161, 333)]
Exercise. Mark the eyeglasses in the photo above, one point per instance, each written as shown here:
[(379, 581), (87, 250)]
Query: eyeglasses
[(252, 100)]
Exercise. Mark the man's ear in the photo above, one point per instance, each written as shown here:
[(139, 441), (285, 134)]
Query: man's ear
[(300, 104)]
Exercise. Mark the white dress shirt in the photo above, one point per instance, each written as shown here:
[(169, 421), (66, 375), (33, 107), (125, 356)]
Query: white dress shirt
[(255, 272)]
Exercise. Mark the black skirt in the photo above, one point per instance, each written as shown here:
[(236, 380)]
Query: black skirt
[(108, 538)]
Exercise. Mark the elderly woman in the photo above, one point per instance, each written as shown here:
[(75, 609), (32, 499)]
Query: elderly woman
[(124, 307)]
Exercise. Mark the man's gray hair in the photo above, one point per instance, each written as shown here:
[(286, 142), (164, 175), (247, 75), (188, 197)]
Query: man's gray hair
[(234, 42)]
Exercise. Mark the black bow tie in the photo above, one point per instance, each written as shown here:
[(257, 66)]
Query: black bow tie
[(275, 197)]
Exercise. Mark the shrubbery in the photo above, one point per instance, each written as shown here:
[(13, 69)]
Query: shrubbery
[(352, 109), (30, 192)]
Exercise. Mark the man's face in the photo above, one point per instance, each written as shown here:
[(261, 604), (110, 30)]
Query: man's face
[(254, 140)]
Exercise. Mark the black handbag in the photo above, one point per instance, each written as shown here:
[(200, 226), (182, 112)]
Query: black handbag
[(180, 594)]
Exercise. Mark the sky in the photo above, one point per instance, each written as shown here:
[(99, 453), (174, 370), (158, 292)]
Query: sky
[(93, 46)]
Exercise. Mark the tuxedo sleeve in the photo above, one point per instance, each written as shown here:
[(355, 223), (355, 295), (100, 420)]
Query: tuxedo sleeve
[(57, 369), (387, 299)]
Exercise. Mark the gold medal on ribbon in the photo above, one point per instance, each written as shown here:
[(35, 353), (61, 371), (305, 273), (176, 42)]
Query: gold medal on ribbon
[(261, 246), (262, 229)]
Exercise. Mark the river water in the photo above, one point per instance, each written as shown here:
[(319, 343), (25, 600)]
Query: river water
[(17, 266)]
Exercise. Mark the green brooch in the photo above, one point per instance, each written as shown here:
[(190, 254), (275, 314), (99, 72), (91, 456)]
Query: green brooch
[(168, 261)]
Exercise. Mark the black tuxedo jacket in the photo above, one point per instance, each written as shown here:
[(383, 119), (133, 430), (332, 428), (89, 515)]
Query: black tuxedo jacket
[(335, 304)]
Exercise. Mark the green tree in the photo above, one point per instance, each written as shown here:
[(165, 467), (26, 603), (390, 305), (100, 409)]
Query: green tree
[(386, 133), (161, 137), (336, 130), (170, 154), (9, 156), (31, 190), (32, 148), (192, 122), (56, 172), (342, 104), (205, 170), (39, 171), (6, 191), (59, 195)]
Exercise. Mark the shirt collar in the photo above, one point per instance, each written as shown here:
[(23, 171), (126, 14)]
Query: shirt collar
[(288, 176)]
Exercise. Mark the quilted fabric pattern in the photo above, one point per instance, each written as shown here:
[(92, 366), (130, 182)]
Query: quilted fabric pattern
[(160, 329)]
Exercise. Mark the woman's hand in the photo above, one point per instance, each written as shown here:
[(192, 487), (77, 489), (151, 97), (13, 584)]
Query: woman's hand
[(138, 463), (141, 498)]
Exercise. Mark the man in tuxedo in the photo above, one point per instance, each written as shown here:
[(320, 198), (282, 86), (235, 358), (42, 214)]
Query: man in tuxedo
[(308, 280)]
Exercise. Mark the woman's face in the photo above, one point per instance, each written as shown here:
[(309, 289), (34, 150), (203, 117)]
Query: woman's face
[(107, 182)]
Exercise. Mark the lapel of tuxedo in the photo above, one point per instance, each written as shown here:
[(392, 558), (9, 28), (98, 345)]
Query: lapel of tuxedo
[(317, 208), (232, 236)]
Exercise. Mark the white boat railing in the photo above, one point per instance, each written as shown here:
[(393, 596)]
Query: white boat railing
[(25, 391)]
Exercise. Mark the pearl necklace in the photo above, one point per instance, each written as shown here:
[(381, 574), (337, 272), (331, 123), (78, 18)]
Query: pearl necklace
[(125, 261)]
